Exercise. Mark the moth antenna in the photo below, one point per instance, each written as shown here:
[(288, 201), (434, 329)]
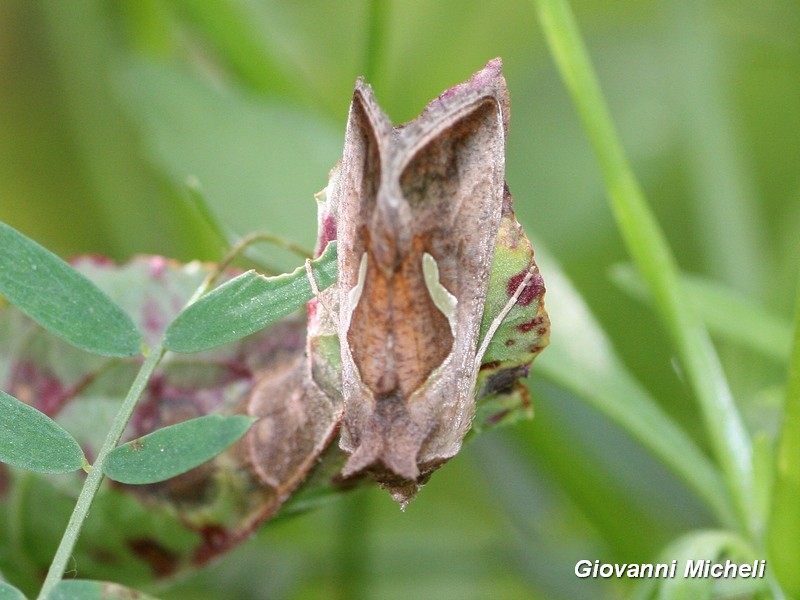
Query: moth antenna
[(314, 287), (498, 320)]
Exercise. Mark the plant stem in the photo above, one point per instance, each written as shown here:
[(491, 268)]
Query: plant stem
[(784, 526), (376, 35), (648, 246), (95, 476)]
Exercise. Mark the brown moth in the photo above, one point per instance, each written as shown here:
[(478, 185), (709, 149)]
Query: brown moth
[(397, 345)]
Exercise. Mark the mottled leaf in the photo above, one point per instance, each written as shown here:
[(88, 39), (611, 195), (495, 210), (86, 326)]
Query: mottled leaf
[(83, 589), (247, 304), (524, 332), (31, 440), (173, 450), (62, 300)]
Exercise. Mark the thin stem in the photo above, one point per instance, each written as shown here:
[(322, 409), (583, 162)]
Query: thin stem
[(376, 35), (200, 205), (95, 476), (648, 246), (784, 526), (230, 241)]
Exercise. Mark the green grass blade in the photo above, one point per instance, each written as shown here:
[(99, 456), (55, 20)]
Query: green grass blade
[(784, 526), (725, 311), (231, 30), (580, 358), (705, 545), (246, 304), (62, 300), (31, 440), (651, 253)]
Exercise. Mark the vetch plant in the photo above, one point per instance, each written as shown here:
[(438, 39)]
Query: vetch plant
[(68, 305), (436, 312)]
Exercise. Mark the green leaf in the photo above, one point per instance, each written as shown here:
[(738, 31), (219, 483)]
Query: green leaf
[(267, 153), (582, 359), (784, 524), (653, 257), (725, 312), (247, 304), (83, 589), (31, 440), (9, 592), (706, 545), (61, 300), (175, 449)]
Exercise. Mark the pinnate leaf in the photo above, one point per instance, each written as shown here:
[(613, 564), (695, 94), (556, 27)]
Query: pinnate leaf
[(173, 450), (62, 300), (247, 304), (31, 440)]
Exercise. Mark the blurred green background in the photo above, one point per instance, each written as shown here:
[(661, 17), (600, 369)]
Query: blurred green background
[(106, 107)]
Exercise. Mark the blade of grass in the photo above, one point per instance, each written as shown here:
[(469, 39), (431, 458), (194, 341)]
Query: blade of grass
[(725, 312), (375, 50), (784, 526), (651, 253), (581, 359), (733, 244)]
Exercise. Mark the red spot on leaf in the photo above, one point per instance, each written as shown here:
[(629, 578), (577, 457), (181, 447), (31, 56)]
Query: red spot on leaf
[(154, 320), (216, 539), (534, 289), (533, 323), (158, 266), (162, 561), (38, 388), (327, 233), (93, 259), (4, 480)]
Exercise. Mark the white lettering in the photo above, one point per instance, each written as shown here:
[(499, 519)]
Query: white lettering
[(583, 568), (694, 568), (731, 569), (761, 568)]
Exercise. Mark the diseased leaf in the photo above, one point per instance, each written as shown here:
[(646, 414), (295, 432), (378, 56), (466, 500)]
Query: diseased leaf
[(247, 304), (174, 450), (83, 589), (62, 300), (524, 332), (31, 440), (9, 592)]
